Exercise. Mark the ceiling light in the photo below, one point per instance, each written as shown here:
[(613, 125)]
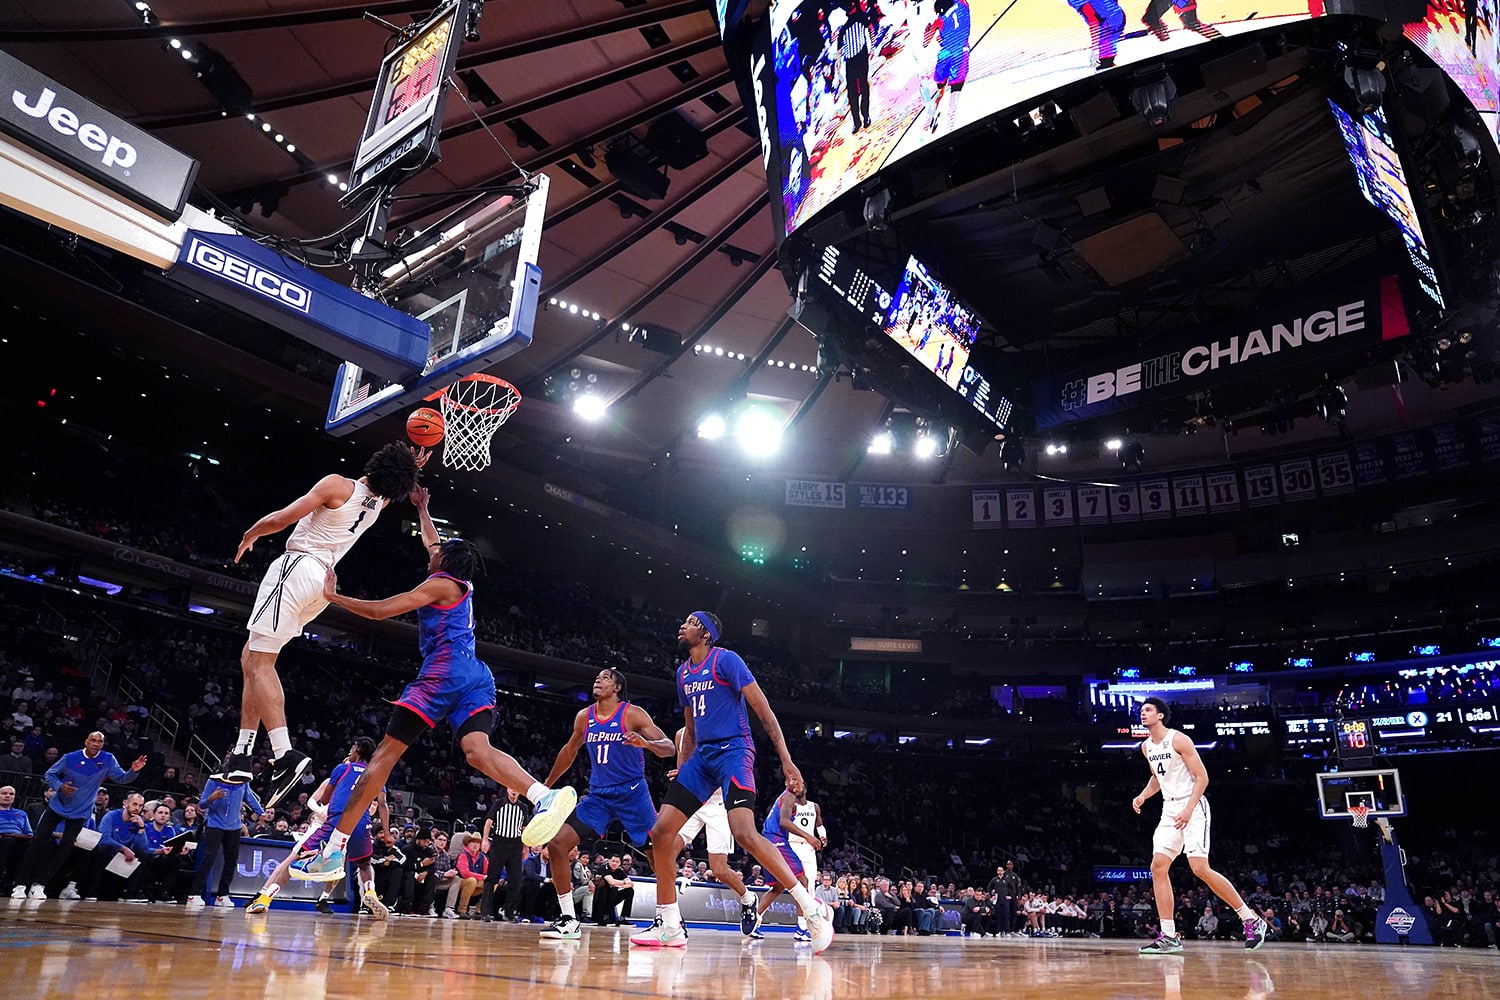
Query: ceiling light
[(719, 351), (573, 308), (625, 327), (1113, 444), (882, 444), (589, 407), (926, 446), (176, 43), (711, 427), (758, 431)]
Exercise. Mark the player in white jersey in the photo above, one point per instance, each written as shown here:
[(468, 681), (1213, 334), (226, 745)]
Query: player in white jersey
[(713, 819), (328, 519), (1178, 773), (807, 816)]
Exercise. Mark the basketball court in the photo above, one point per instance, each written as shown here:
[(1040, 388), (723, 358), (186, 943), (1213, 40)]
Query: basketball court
[(103, 950)]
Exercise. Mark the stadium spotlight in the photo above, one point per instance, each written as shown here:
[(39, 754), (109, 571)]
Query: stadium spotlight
[(883, 443), (1132, 455), (1056, 449), (758, 431), (927, 445), (878, 210), (1012, 455), (1113, 444), (1153, 95), (589, 406), (1331, 402), (711, 427)]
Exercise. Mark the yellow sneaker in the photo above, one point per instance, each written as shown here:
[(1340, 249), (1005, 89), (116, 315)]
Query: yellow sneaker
[(261, 904)]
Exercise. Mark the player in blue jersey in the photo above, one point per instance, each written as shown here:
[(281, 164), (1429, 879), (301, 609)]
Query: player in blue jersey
[(778, 829), (332, 798), (714, 687), (454, 685), (615, 734)]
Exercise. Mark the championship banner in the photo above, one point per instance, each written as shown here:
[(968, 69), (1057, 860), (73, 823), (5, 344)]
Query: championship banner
[(1308, 332)]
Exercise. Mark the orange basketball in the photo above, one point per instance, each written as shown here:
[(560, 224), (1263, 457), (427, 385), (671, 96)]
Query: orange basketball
[(425, 427)]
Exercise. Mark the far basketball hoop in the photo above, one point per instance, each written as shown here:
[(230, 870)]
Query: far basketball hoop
[(474, 407), (1360, 815)]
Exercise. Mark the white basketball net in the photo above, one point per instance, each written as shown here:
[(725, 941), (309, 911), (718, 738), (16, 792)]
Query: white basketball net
[(473, 409), (1361, 815)]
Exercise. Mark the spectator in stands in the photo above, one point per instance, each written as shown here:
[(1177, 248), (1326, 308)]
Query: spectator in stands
[(1317, 926), (885, 906), (1208, 924), (15, 834), (75, 778), (224, 804), (616, 896), (473, 867), (389, 862), (420, 857), (18, 761), (825, 892), (534, 871), (583, 882), (159, 861), (1339, 929)]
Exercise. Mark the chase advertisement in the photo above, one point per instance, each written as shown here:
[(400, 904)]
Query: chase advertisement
[(862, 83)]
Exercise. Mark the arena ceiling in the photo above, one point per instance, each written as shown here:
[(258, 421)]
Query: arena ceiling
[(548, 87)]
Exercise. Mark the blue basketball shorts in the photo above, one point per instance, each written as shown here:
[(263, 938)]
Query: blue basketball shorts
[(629, 803), (728, 766), (451, 691)]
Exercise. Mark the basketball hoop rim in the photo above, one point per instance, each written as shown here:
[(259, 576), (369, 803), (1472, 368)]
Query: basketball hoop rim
[(512, 393)]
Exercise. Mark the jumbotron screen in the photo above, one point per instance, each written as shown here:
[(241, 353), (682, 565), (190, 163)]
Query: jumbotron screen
[(931, 325), (919, 70)]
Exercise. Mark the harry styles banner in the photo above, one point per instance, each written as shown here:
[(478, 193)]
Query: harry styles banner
[(1307, 332)]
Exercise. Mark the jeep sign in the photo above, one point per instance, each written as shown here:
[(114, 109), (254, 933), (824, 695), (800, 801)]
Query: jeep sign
[(79, 134)]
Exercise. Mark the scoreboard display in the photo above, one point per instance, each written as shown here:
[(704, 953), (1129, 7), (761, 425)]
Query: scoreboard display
[(1356, 739), (407, 110)]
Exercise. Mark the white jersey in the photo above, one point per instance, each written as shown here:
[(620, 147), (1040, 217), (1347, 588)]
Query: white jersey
[(1167, 765), (805, 818), (326, 534)]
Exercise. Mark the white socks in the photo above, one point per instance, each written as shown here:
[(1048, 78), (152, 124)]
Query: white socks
[(281, 741), (748, 898), (670, 916), (246, 742), (1169, 928), (805, 900), (1247, 914), (565, 904), (537, 792), (337, 840)]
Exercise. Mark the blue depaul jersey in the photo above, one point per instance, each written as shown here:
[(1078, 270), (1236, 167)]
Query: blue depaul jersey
[(771, 828), (612, 761), (342, 781), (711, 693), (445, 632)]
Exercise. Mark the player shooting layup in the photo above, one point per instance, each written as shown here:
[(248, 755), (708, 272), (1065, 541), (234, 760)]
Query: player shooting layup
[(1178, 773), (329, 519), (454, 685)]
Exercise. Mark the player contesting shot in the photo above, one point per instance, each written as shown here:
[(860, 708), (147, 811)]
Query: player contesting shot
[(328, 519), (715, 687), (454, 685), (1178, 773)]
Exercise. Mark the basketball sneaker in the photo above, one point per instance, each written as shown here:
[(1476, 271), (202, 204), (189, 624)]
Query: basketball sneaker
[(820, 927), (659, 935), (285, 771), (19, 892), (1163, 945), (1255, 934), (378, 910), (260, 904), (237, 769), (323, 905), (551, 813), (69, 891), (564, 928), (194, 904), (319, 868), (223, 903), (801, 936), (749, 920)]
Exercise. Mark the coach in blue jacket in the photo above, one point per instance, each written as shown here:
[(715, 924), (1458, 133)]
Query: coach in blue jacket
[(76, 778)]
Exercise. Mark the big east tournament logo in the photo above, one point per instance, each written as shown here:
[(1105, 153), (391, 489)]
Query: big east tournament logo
[(1219, 355)]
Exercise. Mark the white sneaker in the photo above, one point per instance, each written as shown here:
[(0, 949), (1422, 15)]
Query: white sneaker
[(70, 891), (37, 892), (223, 903), (195, 903), (820, 927), (19, 892), (449, 914)]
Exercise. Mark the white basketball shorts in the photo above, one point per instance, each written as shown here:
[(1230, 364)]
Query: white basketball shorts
[(290, 596), (712, 818), (807, 856), (1192, 839)]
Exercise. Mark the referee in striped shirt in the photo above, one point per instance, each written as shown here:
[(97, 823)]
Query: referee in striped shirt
[(854, 47), (502, 836)]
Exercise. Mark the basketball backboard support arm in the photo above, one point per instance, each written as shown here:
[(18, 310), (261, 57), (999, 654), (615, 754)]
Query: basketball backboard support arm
[(1397, 920), (477, 286)]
